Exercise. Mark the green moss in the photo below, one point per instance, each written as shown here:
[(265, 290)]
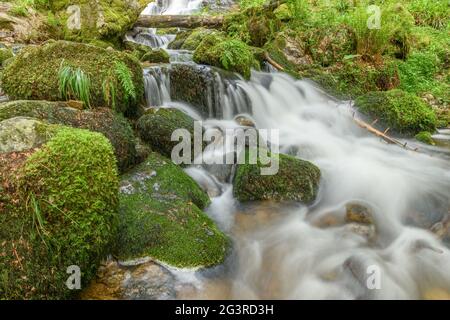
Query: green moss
[(33, 75), (179, 39), (113, 125), (161, 217), (425, 137), (157, 125), (156, 56), (67, 216), (5, 54), (283, 13), (232, 55), (194, 38), (401, 111), (106, 20), (296, 180)]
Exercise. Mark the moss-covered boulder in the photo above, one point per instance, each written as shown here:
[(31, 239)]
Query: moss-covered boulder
[(113, 125), (180, 38), (399, 110), (106, 20), (157, 125), (22, 133), (156, 56), (161, 217), (58, 209), (190, 83), (104, 78), (229, 54), (296, 180), (194, 38)]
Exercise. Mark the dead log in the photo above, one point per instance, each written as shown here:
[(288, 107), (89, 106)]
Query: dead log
[(179, 21), (273, 62), (382, 135)]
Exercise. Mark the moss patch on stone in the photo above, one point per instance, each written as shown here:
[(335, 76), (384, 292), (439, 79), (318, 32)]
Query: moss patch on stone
[(229, 54), (296, 180), (61, 210), (425, 137), (157, 125), (113, 125), (156, 56), (161, 217), (401, 111), (33, 75)]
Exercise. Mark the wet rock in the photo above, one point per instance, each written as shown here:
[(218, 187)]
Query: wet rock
[(157, 125), (295, 180), (244, 121), (366, 231), (358, 213), (192, 83), (144, 281)]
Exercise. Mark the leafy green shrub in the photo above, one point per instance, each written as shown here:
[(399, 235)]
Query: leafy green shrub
[(401, 111)]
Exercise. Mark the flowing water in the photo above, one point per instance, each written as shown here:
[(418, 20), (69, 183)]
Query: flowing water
[(311, 252)]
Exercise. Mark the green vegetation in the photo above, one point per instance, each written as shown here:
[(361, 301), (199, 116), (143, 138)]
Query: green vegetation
[(296, 180), (39, 73), (5, 54), (74, 83), (67, 192), (399, 110), (331, 43), (156, 56), (425, 137), (157, 125), (113, 125), (160, 217), (229, 54)]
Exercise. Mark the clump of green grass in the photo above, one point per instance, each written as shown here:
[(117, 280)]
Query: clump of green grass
[(434, 13), (74, 83)]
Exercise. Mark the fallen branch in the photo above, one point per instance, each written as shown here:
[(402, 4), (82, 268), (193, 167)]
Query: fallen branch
[(382, 135), (273, 62)]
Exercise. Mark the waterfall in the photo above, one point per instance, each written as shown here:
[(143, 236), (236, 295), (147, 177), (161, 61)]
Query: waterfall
[(288, 251)]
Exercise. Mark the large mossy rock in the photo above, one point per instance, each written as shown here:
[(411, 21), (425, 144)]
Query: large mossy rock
[(401, 111), (157, 125), (58, 209), (113, 125), (296, 180), (191, 83), (105, 20), (161, 217), (115, 77), (229, 54), (21, 133)]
